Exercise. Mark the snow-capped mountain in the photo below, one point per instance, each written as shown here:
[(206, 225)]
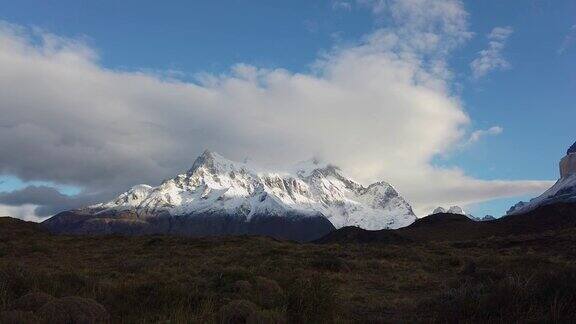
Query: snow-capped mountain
[(216, 184), (564, 190), (459, 211), (239, 193), (452, 210)]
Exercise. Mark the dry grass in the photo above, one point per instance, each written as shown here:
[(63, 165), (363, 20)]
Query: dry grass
[(260, 280)]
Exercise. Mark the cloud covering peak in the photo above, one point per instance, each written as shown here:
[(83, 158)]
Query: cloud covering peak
[(380, 109)]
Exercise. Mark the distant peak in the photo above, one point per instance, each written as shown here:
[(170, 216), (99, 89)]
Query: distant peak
[(439, 210), (452, 210), (456, 210), (380, 184)]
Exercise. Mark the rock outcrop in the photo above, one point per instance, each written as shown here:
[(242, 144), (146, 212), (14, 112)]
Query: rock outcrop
[(563, 191)]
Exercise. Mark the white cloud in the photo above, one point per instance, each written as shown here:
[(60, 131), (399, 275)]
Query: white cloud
[(381, 109), (431, 26), (491, 58), (568, 40), (341, 5), (24, 212), (478, 134)]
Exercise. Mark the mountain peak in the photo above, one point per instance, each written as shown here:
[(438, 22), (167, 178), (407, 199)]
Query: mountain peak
[(217, 186), (307, 167), (564, 190), (212, 161), (572, 149), (452, 210), (456, 210)]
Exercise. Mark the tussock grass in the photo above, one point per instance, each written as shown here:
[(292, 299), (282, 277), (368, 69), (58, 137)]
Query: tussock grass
[(259, 280)]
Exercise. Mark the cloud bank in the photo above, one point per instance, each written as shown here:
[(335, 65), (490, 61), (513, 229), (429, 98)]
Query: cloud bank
[(381, 109)]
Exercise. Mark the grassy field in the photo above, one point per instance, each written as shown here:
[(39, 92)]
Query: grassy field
[(529, 278)]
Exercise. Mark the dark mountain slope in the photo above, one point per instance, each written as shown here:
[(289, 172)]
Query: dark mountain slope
[(14, 227), (452, 227), (290, 227)]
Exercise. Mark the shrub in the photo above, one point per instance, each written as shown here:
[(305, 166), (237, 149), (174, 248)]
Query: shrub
[(331, 263), (242, 287), (469, 268), (227, 277), (268, 293), (268, 317), (18, 317), (15, 280), (73, 310), (32, 302), (537, 296), (237, 312), (311, 300)]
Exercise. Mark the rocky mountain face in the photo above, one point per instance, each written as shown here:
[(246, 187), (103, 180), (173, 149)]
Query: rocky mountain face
[(563, 191), (221, 197), (572, 149)]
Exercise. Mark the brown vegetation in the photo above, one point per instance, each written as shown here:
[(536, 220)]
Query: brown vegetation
[(521, 278)]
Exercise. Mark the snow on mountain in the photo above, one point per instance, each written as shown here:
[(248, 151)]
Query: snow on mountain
[(459, 211), (452, 210), (564, 190), (439, 210), (216, 185)]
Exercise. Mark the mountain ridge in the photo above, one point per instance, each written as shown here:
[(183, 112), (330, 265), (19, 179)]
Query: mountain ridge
[(457, 227), (241, 198)]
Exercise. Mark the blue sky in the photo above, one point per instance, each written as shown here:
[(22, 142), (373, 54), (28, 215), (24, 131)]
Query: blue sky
[(531, 96)]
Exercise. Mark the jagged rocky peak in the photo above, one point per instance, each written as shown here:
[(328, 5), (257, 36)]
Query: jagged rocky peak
[(452, 210), (227, 192), (439, 210), (568, 163), (564, 190), (214, 162), (458, 211), (572, 149)]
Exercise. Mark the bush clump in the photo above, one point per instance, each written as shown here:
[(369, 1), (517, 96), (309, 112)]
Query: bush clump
[(242, 288), (32, 302), (18, 317), (311, 300), (73, 310), (533, 296), (331, 263), (268, 293), (238, 311)]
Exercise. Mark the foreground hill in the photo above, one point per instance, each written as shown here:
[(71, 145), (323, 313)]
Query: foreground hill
[(222, 197), (456, 227), (529, 277)]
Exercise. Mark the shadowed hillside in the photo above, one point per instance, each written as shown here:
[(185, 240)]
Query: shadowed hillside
[(453, 227)]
